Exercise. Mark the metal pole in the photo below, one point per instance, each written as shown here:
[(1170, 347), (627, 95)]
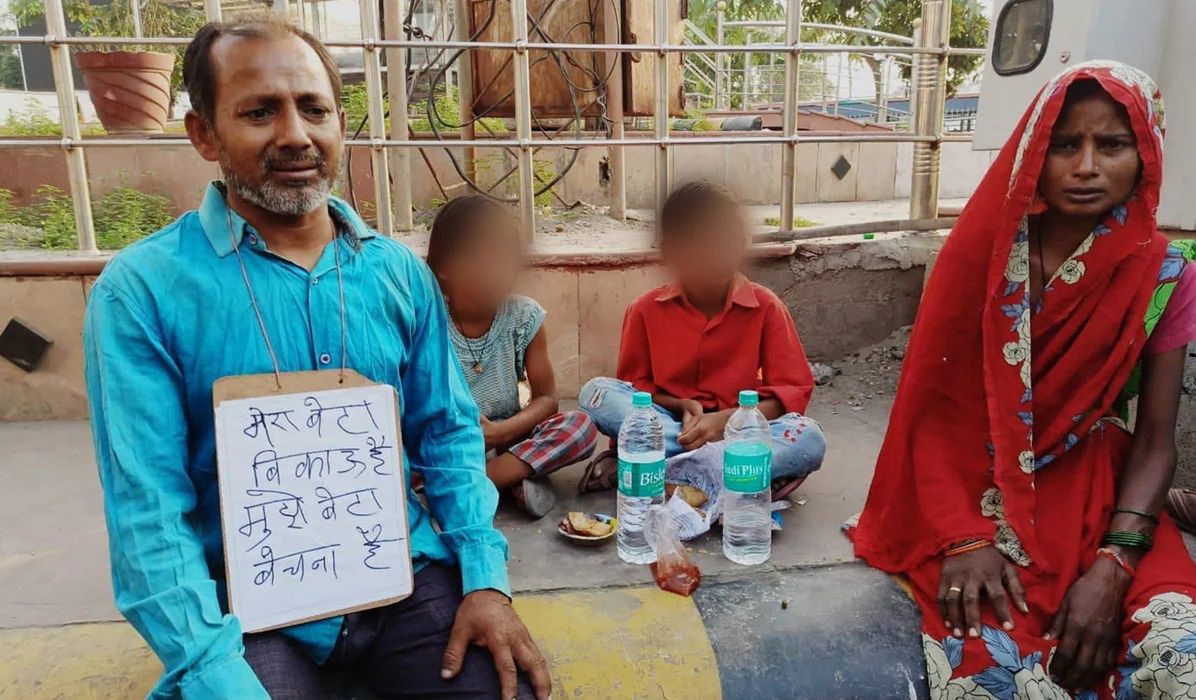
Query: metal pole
[(135, 11), (931, 89), (396, 87), (839, 81), (211, 10), (523, 120), (60, 62), (823, 82), (465, 95), (882, 100), (747, 70), (664, 153), (373, 92), (792, 81), (613, 26), (913, 93), (720, 61)]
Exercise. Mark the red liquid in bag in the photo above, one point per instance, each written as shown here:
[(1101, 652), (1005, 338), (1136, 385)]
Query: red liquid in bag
[(676, 575)]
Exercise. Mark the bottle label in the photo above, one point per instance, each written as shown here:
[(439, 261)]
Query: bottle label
[(748, 472), (641, 479)]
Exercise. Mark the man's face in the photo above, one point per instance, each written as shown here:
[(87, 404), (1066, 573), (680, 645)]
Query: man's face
[(277, 132)]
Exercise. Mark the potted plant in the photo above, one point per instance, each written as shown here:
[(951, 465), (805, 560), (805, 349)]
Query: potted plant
[(132, 88)]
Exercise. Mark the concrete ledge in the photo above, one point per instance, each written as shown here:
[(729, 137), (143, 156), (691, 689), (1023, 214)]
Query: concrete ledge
[(844, 293), (843, 631)]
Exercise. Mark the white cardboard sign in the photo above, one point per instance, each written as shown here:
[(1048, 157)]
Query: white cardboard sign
[(312, 501)]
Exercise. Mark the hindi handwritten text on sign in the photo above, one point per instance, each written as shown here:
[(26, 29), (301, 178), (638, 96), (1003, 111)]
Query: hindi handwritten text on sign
[(313, 503)]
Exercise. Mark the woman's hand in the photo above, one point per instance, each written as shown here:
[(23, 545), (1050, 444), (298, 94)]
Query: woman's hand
[(1088, 626), (966, 577)]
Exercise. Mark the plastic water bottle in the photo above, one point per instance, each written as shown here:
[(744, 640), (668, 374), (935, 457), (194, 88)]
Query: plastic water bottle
[(747, 479), (641, 478)]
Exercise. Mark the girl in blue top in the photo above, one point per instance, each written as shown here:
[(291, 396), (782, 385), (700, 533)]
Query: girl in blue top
[(500, 340)]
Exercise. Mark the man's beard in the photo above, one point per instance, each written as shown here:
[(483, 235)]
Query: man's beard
[(280, 199)]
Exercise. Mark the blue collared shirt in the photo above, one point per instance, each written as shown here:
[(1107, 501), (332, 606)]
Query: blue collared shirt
[(169, 316)]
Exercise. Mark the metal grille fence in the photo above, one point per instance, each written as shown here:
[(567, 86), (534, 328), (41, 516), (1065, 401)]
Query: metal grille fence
[(390, 145)]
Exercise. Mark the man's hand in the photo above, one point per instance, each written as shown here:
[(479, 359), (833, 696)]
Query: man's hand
[(1088, 626), (707, 428), (494, 433), (691, 413), (487, 619), (966, 577)]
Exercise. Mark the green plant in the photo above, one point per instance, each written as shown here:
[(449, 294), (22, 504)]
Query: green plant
[(54, 214), (543, 171), (356, 105), (700, 122), (8, 213), (125, 215), (37, 122), (11, 77), (122, 216), (447, 113), (798, 222), (116, 19)]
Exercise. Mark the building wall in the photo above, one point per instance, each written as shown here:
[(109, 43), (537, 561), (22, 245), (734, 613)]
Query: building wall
[(878, 171)]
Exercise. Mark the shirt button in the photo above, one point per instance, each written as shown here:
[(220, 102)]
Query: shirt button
[(315, 281), (252, 239), (325, 358)]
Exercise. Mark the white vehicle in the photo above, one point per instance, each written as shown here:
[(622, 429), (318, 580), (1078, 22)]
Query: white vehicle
[(1032, 40)]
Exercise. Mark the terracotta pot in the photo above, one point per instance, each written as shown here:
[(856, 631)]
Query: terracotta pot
[(130, 89)]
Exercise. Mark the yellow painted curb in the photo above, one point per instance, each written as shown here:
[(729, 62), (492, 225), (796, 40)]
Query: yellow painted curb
[(624, 643), (613, 644), (98, 661)]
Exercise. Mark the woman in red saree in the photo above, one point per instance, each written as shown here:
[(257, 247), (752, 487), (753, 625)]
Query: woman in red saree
[(1009, 491)]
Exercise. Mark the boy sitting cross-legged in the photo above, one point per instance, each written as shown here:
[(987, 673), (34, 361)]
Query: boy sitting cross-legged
[(696, 342)]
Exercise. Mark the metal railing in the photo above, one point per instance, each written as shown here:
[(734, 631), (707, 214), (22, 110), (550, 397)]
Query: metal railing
[(389, 152)]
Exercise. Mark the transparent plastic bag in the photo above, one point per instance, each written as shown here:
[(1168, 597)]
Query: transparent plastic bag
[(673, 570)]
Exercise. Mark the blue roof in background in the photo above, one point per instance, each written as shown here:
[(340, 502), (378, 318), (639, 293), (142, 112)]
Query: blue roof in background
[(859, 109)]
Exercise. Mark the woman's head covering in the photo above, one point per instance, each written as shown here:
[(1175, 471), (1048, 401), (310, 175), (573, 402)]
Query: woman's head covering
[(991, 392)]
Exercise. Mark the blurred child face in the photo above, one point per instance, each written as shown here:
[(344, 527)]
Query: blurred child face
[(481, 273), (709, 252)]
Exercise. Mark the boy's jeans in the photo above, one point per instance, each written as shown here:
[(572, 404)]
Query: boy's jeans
[(798, 444)]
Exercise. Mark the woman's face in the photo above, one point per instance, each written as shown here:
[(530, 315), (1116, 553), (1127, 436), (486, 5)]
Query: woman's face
[(1092, 163)]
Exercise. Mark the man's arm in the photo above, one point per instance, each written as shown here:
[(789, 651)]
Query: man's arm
[(160, 577), (442, 430)]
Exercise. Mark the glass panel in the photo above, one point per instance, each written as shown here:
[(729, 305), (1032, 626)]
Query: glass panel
[(1021, 39)]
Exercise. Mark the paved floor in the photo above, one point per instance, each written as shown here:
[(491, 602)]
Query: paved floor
[(54, 557)]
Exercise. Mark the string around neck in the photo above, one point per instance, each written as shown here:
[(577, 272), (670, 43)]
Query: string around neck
[(257, 312)]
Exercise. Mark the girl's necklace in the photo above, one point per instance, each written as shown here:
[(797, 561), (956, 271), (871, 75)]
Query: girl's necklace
[(476, 353)]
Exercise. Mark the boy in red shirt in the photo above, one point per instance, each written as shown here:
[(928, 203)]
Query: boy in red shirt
[(696, 342)]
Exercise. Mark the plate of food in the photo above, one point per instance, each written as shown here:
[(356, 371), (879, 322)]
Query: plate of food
[(588, 529)]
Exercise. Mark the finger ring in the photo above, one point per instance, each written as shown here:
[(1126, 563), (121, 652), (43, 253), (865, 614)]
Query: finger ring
[(955, 589)]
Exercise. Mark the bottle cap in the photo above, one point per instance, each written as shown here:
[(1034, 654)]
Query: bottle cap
[(748, 398), (641, 399)]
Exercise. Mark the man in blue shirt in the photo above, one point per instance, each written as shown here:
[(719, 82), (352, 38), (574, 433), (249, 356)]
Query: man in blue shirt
[(173, 313)]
